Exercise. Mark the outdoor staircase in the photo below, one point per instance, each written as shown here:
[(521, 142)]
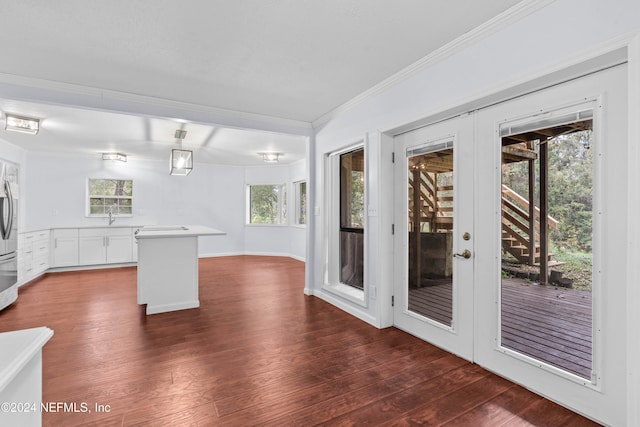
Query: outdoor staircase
[(520, 232), (435, 202)]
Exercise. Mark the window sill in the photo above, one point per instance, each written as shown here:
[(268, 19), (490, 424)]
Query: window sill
[(347, 292), (266, 225)]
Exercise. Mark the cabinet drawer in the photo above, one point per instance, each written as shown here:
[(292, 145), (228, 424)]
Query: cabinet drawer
[(41, 248)]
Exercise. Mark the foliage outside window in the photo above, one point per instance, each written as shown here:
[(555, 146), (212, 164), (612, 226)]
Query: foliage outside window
[(267, 204), (301, 202), (110, 196)]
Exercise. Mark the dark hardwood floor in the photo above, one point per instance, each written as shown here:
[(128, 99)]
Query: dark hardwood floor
[(256, 352)]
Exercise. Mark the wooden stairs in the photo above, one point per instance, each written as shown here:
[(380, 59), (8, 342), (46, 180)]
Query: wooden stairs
[(520, 231), (434, 207)]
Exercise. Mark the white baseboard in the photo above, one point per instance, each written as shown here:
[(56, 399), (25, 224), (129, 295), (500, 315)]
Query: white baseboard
[(163, 308), (215, 255)]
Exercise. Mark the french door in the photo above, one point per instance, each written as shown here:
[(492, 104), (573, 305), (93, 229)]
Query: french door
[(434, 223), (492, 209)]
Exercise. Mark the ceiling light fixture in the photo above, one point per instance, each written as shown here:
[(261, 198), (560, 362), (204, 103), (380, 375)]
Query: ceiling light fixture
[(181, 161), (270, 157), (22, 124), (114, 156)]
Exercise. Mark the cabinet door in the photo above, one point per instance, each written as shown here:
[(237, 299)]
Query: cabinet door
[(118, 249), (65, 251), (93, 250)]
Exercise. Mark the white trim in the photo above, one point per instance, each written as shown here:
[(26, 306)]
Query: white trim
[(633, 249), (311, 228), (513, 14), (249, 253), (385, 247), (342, 305), (163, 308)]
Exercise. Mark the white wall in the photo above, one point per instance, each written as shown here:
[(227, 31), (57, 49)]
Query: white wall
[(212, 195)]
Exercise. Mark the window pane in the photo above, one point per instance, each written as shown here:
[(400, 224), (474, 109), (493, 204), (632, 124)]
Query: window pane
[(264, 204), (352, 218), (109, 194), (302, 203), (352, 189), (547, 229), (96, 210)]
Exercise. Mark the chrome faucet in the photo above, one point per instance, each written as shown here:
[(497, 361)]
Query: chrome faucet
[(111, 218)]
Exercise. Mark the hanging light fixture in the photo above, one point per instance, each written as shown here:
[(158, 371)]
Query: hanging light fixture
[(181, 161)]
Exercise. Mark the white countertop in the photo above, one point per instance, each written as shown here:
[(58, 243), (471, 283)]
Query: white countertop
[(157, 231), (17, 348)]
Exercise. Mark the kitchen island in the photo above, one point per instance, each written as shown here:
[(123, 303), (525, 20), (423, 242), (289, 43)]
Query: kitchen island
[(21, 376), (168, 266)]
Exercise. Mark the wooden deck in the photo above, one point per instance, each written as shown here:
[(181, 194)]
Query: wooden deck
[(550, 324)]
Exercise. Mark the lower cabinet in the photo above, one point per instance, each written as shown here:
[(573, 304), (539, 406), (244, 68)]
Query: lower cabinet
[(65, 247), (104, 245), (34, 254)]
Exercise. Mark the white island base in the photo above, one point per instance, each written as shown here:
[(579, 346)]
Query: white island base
[(168, 267), (21, 376)]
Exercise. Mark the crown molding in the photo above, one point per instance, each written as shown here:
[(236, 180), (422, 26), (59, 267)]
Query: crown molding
[(511, 15)]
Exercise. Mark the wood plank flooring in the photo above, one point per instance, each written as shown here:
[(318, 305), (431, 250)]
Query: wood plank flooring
[(545, 322), (257, 352)]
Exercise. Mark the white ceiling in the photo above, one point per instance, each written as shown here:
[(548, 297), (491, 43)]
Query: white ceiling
[(286, 59)]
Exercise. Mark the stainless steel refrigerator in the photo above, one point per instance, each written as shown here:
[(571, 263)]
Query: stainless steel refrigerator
[(8, 233)]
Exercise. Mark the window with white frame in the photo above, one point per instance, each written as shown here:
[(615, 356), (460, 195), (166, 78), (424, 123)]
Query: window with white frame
[(300, 189), (267, 204), (109, 197), (345, 181)]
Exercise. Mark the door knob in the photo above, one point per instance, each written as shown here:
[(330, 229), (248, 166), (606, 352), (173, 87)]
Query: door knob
[(466, 254)]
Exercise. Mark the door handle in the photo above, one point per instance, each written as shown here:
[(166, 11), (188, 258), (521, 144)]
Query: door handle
[(466, 254)]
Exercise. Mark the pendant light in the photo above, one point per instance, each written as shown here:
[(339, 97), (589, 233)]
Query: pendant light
[(181, 161)]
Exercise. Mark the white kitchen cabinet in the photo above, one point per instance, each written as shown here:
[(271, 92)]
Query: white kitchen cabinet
[(33, 256), (104, 245), (65, 247)]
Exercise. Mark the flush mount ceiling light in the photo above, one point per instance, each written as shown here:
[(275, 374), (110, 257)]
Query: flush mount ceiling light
[(270, 157), (181, 161), (22, 124), (114, 156)]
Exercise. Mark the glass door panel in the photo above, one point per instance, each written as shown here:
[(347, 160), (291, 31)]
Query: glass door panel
[(546, 191), (434, 284), (430, 251)]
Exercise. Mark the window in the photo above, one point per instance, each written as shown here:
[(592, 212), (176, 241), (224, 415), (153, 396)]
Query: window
[(267, 204), (110, 196), (352, 218), (300, 202)]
